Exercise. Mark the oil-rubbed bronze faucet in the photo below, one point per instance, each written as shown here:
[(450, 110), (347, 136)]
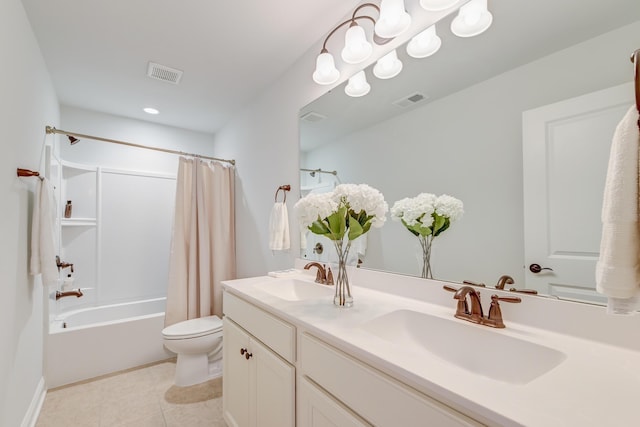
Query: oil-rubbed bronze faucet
[(324, 275), (72, 293), (509, 281), (473, 312), (504, 280), (63, 264)]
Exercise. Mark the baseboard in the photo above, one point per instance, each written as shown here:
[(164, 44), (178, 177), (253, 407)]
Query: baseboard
[(31, 417)]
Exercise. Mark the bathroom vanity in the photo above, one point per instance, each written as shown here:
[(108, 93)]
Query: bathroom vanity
[(399, 357)]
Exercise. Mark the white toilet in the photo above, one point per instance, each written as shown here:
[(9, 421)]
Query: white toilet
[(198, 344)]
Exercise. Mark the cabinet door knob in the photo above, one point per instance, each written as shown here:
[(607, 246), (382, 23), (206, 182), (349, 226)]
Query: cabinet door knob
[(243, 351), (248, 355)]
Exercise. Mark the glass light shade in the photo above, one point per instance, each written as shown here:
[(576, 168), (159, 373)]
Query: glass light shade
[(356, 47), (326, 72), (435, 5), (424, 44), (473, 18), (388, 66), (393, 20), (358, 85)]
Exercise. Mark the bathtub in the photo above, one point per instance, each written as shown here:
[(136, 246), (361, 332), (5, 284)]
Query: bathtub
[(90, 342)]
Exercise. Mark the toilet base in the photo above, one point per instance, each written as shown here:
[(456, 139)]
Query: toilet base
[(192, 369)]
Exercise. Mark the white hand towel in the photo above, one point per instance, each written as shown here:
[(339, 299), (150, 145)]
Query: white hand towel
[(618, 269), (279, 228), (43, 255)]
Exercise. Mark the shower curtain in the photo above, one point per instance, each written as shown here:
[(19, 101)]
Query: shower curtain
[(203, 240)]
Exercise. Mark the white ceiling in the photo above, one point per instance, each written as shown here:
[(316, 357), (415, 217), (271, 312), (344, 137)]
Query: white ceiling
[(97, 52)]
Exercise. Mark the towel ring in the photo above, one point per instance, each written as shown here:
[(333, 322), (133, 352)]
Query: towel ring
[(284, 189)]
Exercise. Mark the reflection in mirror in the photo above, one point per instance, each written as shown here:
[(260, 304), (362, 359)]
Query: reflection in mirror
[(455, 123)]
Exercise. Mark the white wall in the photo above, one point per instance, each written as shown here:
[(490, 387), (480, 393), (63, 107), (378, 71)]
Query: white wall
[(27, 104), (264, 139)]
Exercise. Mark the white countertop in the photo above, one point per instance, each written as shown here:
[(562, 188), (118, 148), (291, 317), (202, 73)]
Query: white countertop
[(598, 384)]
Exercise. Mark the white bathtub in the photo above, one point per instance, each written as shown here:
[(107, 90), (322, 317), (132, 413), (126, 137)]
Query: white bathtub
[(89, 342)]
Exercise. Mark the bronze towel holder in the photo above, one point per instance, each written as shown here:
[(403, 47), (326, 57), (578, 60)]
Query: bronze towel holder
[(284, 189)]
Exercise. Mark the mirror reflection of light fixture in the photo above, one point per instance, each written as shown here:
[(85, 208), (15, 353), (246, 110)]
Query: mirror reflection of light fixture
[(388, 66), (424, 44), (393, 20), (473, 18), (358, 85), (436, 5)]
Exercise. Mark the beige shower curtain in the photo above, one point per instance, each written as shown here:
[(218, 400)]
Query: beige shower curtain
[(203, 240)]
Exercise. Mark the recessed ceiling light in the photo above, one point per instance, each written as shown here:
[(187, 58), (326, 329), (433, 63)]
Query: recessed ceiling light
[(150, 110)]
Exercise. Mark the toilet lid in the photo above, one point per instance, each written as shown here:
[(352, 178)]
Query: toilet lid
[(193, 328)]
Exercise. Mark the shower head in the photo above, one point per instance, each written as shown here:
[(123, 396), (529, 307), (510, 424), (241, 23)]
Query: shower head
[(72, 139)]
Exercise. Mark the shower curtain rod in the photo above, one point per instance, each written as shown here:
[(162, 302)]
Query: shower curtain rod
[(51, 129), (320, 171)]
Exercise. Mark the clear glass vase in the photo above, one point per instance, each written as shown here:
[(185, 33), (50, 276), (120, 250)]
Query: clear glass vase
[(425, 243), (342, 297)]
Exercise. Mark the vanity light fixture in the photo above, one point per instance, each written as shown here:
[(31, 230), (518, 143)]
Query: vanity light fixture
[(150, 110), (424, 44), (388, 66), (473, 18), (356, 46), (358, 85)]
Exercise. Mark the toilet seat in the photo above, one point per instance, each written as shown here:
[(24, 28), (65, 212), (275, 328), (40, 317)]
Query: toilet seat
[(193, 328)]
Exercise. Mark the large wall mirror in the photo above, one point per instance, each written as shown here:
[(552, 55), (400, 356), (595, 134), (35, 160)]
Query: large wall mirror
[(453, 123)]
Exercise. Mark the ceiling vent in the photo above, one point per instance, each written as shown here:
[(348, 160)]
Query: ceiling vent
[(164, 73), (410, 100), (312, 117)]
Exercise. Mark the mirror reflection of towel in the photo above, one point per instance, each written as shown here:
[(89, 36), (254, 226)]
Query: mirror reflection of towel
[(43, 256), (279, 228)]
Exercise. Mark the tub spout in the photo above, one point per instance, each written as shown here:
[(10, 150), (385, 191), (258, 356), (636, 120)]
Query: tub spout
[(72, 293)]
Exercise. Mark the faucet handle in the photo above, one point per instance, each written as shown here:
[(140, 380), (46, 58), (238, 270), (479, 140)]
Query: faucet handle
[(329, 280), (505, 299), (494, 319)]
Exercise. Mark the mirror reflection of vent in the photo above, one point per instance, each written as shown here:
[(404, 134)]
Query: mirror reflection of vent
[(312, 117), (164, 73), (409, 100)]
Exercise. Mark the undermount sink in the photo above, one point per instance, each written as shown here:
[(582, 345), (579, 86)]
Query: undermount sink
[(478, 349), (295, 290)]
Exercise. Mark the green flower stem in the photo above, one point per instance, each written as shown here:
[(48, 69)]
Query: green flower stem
[(342, 297), (425, 242)]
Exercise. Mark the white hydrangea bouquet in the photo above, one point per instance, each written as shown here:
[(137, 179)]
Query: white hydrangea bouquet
[(343, 215), (427, 216)]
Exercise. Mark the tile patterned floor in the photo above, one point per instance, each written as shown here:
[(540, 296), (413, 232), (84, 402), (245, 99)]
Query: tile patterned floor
[(144, 397)]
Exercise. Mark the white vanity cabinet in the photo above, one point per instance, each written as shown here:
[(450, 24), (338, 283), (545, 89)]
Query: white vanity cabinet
[(378, 398), (316, 408), (259, 378)]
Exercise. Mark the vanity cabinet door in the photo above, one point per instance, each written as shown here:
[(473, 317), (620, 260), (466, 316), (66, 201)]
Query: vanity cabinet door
[(272, 388), (316, 408), (258, 386), (236, 382)]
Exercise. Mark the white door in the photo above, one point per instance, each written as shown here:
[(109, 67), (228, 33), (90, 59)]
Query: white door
[(565, 156)]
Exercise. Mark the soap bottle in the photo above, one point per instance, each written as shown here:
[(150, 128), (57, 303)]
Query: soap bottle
[(67, 209), (67, 283)]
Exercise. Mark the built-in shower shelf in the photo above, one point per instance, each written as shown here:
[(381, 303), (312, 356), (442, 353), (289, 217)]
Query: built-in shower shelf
[(78, 222)]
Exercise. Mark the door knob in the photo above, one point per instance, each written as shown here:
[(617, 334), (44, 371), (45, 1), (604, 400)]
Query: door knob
[(535, 268)]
